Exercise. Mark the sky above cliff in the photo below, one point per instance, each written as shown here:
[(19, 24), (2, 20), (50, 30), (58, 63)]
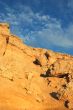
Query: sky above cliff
[(41, 23)]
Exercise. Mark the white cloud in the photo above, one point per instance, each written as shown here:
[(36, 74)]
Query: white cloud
[(53, 35), (40, 29)]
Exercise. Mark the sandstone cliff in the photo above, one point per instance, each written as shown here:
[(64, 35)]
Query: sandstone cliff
[(33, 78)]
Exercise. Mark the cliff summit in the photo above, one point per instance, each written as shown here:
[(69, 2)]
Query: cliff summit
[(33, 78)]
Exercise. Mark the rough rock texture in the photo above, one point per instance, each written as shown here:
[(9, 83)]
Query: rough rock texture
[(33, 78)]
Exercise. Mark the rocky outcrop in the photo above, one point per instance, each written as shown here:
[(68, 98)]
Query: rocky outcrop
[(33, 78)]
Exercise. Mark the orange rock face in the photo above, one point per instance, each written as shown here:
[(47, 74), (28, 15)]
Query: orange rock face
[(33, 78)]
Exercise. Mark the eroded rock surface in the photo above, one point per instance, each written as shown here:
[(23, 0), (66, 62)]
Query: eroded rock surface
[(33, 78)]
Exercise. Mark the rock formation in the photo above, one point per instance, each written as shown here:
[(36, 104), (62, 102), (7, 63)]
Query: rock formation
[(33, 78)]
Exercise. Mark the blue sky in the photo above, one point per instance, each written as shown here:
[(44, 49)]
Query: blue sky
[(41, 23)]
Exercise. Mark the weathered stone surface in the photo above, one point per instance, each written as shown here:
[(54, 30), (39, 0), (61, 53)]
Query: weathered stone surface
[(4, 29), (33, 78)]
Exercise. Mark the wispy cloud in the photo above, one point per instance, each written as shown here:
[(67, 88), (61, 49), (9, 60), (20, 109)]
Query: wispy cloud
[(52, 35), (37, 29), (70, 4)]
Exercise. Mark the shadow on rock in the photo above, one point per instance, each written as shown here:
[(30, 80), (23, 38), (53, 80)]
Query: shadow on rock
[(46, 74), (55, 95)]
